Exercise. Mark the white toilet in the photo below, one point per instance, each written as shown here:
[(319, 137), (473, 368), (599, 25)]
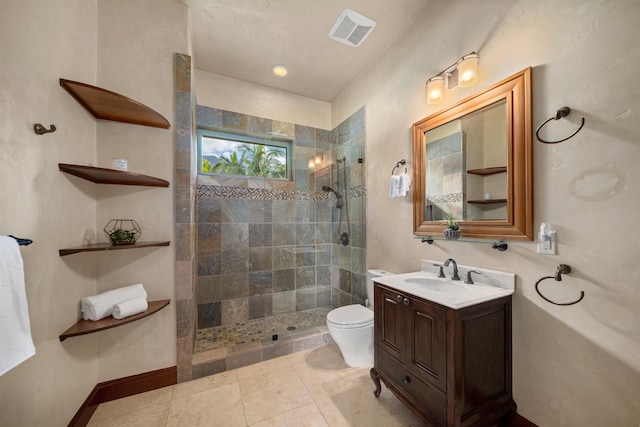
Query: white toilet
[(351, 327)]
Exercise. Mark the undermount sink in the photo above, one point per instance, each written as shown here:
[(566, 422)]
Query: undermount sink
[(437, 286), (450, 293)]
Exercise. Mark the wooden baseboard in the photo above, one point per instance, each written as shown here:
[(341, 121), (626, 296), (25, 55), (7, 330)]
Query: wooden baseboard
[(123, 387), (518, 420)]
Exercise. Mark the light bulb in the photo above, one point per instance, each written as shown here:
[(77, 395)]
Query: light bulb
[(468, 70), (279, 70), (435, 89)]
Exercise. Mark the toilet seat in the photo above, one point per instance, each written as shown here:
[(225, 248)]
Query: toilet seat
[(350, 316)]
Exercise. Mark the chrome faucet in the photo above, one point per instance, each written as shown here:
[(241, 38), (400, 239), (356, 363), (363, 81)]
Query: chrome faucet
[(455, 268)]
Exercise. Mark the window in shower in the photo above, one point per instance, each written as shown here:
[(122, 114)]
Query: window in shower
[(230, 154)]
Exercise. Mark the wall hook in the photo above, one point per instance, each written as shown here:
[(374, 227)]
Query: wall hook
[(562, 269), (562, 112), (41, 130)]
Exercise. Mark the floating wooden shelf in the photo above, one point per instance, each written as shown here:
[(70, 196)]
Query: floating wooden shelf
[(487, 202), (84, 327), (106, 105), (98, 247), (112, 176), (488, 171)]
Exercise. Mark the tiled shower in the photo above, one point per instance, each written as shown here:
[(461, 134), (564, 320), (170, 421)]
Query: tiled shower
[(269, 265)]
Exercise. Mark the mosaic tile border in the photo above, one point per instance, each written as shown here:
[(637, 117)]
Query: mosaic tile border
[(446, 198), (224, 192)]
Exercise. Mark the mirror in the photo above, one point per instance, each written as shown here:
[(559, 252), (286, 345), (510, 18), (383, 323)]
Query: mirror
[(473, 161)]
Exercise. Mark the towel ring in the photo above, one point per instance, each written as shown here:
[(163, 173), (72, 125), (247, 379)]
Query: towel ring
[(563, 112), (401, 162), (562, 268)]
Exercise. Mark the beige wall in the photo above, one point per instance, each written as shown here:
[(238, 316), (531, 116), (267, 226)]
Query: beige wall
[(228, 94), (137, 42), (39, 43), (573, 366), (88, 41)]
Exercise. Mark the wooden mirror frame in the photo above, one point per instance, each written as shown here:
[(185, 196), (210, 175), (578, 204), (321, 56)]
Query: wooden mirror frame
[(516, 90)]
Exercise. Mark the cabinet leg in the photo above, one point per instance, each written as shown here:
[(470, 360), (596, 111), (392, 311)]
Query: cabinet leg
[(376, 380)]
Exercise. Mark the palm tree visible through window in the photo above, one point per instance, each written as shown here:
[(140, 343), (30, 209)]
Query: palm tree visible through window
[(249, 157)]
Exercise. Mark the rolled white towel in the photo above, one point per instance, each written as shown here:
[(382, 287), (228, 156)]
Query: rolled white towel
[(130, 307), (99, 306)]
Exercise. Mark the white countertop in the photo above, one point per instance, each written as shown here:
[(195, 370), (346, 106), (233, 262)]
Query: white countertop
[(450, 293)]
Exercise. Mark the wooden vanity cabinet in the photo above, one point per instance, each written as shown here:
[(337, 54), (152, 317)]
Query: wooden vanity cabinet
[(451, 367)]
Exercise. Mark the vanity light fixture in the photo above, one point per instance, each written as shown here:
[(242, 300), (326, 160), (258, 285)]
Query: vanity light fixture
[(279, 70), (463, 73)]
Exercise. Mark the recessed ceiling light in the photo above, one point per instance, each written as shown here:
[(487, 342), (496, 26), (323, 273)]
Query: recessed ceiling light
[(279, 70)]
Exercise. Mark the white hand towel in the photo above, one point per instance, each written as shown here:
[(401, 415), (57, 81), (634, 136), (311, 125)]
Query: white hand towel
[(130, 307), (99, 306), (405, 183), (16, 344), (394, 187)]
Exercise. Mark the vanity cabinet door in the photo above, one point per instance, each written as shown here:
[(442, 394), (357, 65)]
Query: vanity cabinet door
[(389, 322), (427, 342)]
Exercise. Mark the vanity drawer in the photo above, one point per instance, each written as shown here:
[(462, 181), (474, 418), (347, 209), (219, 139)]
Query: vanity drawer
[(427, 397)]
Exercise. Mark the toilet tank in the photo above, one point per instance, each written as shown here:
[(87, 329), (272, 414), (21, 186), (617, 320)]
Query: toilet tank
[(371, 275)]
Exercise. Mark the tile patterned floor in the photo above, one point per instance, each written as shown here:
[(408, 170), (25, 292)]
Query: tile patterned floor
[(261, 330), (306, 389)]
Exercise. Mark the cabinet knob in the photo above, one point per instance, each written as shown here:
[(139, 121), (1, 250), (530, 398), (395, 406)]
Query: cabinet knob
[(405, 380), (399, 298), (406, 301)]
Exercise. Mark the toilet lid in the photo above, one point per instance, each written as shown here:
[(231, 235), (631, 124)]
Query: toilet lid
[(354, 314)]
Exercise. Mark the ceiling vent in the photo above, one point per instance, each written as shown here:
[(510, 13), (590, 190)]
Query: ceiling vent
[(351, 28)]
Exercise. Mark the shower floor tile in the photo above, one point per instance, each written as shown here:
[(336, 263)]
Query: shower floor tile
[(262, 330)]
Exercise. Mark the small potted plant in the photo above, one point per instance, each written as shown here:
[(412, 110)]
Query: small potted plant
[(123, 231), (452, 232)]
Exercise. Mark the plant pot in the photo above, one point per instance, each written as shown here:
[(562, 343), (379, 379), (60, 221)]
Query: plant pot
[(123, 231), (451, 234)]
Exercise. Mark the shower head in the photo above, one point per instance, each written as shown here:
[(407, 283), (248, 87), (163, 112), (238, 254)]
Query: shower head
[(338, 196), (328, 189)]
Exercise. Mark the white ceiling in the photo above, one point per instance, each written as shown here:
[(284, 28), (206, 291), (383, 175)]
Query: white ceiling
[(244, 39)]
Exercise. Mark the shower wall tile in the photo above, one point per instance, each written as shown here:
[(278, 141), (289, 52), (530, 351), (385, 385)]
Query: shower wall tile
[(305, 298), (209, 237), (283, 128), (235, 310), (208, 289), (323, 233), (323, 275), (283, 257), (284, 280), (358, 287), (260, 259), (284, 234), (209, 315), (260, 283), (260, 235), (234, 286), (358, 261), (235, 121), (235, 210), (306, 258), (234, 261), (283, 211), (305, 136), (305, 277), (208, 263), (305, 233), (323, 296), (259, 125), (323, 255), (260, 306), (260, 211), (356, 123), (284, 302), (209, 117), (209, 210), (235, 236)]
